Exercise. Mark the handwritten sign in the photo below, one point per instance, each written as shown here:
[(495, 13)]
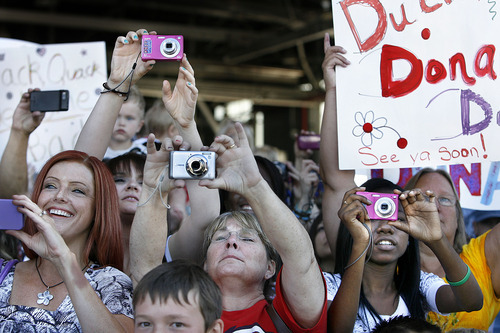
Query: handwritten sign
[(77, 67), (422, 87)]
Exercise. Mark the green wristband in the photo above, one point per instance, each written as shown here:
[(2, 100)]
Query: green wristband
[(461, 282)]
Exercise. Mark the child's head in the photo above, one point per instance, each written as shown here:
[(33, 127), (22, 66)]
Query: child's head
[(159, 122), (127, 172), (131, 117), (178, 293)]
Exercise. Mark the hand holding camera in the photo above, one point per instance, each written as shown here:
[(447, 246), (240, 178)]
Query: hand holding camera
[(354, 215), (156, 167), (125, 54), (162, 47), (23, 120), (237, 170), (423, 222)]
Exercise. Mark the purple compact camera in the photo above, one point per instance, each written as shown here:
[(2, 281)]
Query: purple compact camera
[(10, 218), (384, 205), (162, 47), (305, 142)]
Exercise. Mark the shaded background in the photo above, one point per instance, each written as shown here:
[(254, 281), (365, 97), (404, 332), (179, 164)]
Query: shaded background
[(269, 52)]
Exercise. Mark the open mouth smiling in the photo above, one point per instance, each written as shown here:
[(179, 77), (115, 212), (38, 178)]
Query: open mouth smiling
[(59, 212)]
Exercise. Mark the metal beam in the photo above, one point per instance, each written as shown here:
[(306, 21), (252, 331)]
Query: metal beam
[(203, 33)]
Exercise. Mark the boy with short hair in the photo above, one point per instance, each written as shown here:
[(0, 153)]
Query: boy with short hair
[(178, 295), (128, 124)]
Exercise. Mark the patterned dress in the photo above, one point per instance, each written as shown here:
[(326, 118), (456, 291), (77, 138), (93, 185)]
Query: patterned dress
[(110, 284)]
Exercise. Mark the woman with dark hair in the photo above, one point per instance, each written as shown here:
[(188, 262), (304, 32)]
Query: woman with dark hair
[(482, 253), (127, 172), (388, 268), (388, 284), (72, 236)]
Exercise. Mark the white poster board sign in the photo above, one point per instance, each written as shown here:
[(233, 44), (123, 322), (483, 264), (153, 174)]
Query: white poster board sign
[(422, 87), (77, 67)]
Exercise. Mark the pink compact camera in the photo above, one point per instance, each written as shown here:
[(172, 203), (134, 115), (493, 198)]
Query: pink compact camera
[(384, 205), (162, 47)]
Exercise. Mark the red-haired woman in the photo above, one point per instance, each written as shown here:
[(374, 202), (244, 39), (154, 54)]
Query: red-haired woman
[(72, 236)]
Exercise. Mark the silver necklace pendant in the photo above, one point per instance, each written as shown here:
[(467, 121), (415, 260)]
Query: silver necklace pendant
[(45, 297)]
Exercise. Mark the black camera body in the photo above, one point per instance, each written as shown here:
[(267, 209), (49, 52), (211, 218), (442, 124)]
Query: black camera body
[(49, 100)]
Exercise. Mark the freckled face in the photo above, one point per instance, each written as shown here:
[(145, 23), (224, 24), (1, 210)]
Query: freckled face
[(68, 195)]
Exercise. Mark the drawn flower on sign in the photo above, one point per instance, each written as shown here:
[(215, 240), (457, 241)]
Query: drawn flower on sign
[(368, 127)]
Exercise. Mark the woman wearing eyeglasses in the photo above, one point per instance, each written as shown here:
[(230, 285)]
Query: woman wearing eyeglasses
[(241, 249), (481, 254)]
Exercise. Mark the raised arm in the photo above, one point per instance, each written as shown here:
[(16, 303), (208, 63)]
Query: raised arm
[(205, 204), (344, 308), (424, 224), (48, 243), (13, 166), (149, 229), (127, 52), (301, 278), (336, 181)]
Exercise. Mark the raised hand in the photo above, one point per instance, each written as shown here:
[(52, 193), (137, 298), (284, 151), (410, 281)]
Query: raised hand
[(127, 51), (181, 102), (23, 120), (237, 170), (333, 57), (156, 166), (47, 242), (423, 221), (353, 214), (305, 179)]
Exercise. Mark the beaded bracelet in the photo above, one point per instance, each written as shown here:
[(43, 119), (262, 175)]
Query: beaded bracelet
[(461, 282)]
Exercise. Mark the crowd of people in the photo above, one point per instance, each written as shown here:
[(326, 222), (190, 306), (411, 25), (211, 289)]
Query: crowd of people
[(112, 243)]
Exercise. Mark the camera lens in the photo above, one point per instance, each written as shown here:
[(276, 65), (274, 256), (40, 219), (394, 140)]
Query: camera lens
[(170, 47), (197, 166), (384, 207)]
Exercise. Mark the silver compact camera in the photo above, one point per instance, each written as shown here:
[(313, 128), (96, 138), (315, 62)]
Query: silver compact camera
[(192, 165)]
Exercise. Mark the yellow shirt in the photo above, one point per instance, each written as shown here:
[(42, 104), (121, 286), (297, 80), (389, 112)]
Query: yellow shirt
[(473, 255)]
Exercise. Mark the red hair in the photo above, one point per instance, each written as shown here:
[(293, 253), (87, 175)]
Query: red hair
[(104, 243)]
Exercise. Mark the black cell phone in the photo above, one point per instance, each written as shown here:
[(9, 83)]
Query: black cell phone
[(10, 218), (49, 100)]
